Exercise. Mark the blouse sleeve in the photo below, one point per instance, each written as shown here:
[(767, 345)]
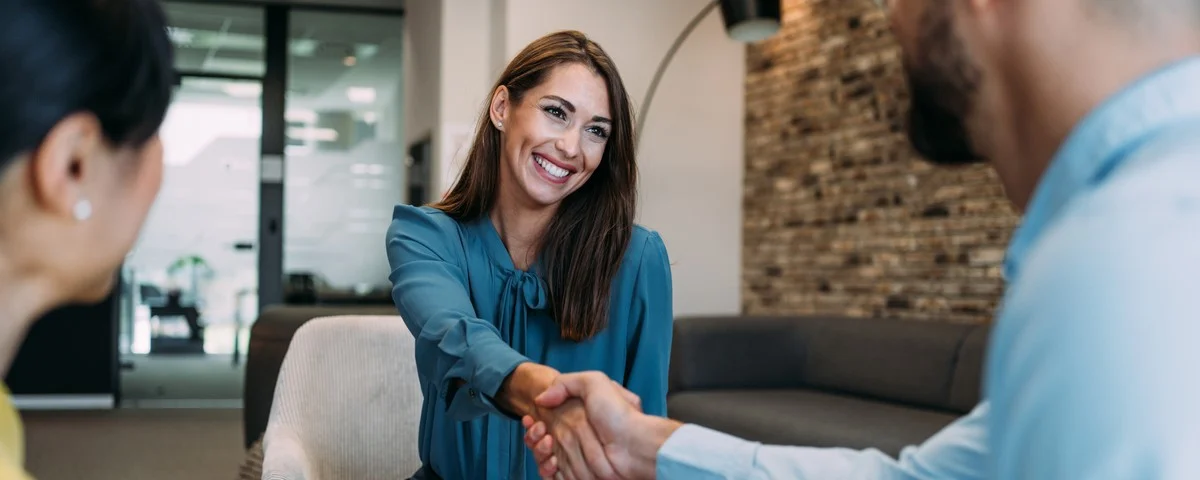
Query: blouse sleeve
[(429, 288), (650, 350)]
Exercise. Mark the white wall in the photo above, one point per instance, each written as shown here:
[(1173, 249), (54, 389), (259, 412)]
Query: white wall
[(422, 75), (466, 78), (691, 157)]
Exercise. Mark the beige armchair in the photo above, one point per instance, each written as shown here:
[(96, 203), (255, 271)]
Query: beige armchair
[(347, 403)]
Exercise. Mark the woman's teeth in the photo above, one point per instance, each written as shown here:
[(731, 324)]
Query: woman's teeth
[(551, 168)]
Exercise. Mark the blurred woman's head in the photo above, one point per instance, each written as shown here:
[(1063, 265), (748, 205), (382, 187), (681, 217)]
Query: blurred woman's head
[(557, 135), (84, 88)]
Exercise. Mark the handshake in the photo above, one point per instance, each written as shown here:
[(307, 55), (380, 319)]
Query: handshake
[(587, 426)]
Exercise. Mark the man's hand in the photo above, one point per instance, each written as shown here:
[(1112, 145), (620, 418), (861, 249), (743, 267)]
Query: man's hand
[(576, 445), (567, 441), (630, 439)]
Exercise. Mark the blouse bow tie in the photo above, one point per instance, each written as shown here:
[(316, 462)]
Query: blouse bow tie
[(530, 287), (521, 287)]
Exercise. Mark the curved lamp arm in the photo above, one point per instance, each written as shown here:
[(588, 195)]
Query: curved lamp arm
[(662, 67)]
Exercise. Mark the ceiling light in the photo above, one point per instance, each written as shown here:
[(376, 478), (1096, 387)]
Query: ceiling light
[(367, 169), (366, 50), (242, 90), (300, 115), (304, 47), (313, 134), (361, 94), (349, 61)]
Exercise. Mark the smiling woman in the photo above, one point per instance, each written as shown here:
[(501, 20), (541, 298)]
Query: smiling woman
[(532, 265)]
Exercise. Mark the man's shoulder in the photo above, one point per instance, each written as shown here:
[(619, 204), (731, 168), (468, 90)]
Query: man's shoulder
[(1129, 240), (1152, 199), (1104, 239), (1161, 173)]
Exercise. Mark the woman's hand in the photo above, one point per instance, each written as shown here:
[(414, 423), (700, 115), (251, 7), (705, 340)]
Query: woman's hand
[(542, 441), (541, 445), (522, 386)]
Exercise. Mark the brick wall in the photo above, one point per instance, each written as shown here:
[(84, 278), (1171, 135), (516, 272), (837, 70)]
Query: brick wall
[(841, 217)]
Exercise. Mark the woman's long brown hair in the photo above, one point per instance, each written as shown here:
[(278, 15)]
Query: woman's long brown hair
[(586, 240)]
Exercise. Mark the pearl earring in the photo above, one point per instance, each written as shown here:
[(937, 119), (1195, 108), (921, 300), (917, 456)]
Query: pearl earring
[(499, 125), (83, 210)]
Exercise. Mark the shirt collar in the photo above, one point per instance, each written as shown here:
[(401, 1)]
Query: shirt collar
[(1101, 142)]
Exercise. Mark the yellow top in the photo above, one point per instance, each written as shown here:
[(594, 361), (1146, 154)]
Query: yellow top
[(12, 442)]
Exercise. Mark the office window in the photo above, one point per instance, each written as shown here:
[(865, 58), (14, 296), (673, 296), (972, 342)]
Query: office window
[(345, 151)]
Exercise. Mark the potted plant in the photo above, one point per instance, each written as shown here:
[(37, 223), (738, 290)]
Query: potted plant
[(196, 270)]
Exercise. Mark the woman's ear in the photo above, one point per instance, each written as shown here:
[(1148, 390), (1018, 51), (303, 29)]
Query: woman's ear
[(498, 110), (62, 162)]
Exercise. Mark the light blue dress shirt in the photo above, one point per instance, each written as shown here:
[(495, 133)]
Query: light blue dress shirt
[(475, 317), (1092, 371), (958, 451), (1092, 367)]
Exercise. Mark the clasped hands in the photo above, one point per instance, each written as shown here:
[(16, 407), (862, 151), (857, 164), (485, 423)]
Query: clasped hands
[(580, 427)]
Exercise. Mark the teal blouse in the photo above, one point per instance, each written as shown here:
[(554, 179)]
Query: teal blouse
[(475, 317)]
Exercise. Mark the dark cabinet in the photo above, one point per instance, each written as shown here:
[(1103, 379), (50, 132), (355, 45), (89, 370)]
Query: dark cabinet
[(69, 358)]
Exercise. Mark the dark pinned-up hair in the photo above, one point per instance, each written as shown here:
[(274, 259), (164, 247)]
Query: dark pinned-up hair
[(111, 58)]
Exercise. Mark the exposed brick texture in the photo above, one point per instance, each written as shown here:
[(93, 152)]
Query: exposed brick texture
[(841, 217)]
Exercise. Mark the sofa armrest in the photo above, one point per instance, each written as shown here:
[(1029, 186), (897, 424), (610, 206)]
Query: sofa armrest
[(710, 353), (284, 457)]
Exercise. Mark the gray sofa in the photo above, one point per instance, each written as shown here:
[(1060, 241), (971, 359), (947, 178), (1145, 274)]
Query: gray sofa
[(823, 381)]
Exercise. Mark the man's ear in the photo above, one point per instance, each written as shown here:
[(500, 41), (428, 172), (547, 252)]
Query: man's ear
[(61, 162), (498, 110)]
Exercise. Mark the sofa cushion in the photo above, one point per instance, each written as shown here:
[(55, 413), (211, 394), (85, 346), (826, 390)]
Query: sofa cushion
[(808, 418), (902, 361), (709, 353)]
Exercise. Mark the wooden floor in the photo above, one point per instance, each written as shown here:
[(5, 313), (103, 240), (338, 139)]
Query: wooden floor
[(134, 444)]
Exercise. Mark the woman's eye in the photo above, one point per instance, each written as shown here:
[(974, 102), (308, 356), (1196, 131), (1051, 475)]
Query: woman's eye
[(557, 112), (599, 132)]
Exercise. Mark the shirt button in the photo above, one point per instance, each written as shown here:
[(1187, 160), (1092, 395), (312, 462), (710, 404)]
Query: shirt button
[(471, 392)]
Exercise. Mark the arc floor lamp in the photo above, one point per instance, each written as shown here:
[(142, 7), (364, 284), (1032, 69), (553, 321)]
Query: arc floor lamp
[(745, 21)]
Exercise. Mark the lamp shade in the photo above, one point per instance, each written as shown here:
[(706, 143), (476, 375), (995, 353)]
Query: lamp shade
[(750, 20)]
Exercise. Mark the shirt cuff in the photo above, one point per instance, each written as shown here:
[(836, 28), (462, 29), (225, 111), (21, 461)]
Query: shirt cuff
[(700, 453), (491, 362)]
